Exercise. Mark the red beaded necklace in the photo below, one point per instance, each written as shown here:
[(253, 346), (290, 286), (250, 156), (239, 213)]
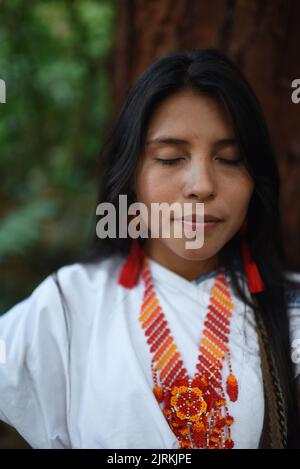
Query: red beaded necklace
[(195, 408)]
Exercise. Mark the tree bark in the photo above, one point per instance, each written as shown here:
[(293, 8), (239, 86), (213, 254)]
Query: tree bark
[(261, 37)]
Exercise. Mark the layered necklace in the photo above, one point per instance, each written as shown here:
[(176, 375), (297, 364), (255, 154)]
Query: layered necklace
[(194, 407)]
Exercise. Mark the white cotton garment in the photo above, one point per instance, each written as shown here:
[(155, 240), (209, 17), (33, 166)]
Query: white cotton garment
[(78, 375)]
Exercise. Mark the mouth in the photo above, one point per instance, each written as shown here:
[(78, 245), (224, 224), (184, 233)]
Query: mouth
[(196, 218), (206, 226)]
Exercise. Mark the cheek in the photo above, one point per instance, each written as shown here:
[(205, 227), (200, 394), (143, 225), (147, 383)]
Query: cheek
[(152, 187), (246, 189), (238, 195)]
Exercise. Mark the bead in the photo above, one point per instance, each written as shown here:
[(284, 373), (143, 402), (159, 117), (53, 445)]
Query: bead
[(232, 387), (159, 393)]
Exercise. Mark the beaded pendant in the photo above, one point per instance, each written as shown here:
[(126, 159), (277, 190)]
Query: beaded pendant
[(195, 408)]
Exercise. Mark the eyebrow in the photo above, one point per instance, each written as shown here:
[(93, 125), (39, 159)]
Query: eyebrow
[(178, 141)]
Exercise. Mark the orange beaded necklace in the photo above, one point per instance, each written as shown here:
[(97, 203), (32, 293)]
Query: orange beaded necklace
[(195, 408)]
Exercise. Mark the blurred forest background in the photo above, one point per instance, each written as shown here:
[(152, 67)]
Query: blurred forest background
[(68, 65), (54, 58)]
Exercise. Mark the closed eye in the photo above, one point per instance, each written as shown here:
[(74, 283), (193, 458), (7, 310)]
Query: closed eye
[(173, 161), (231, 162)]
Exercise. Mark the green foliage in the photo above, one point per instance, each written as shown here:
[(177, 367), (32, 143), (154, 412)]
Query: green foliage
[(20, 229), (53, 58)]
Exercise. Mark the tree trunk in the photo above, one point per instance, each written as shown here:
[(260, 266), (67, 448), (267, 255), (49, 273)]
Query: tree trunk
[(261, 37)]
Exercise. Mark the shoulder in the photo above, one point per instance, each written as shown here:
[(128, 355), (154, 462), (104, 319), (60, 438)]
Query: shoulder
[(77, 279), (89, 274), (80, 283), (72, 287)]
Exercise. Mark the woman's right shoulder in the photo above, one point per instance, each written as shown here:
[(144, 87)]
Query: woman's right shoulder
[(92, 275), (73, 286)]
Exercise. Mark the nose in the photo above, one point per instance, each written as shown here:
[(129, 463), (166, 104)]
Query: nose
[(200, 181)]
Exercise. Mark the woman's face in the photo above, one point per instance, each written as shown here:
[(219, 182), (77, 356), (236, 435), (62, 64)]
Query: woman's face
[(204, 167)]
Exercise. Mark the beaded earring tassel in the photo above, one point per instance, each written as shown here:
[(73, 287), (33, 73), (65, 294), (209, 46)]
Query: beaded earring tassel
[(254, 280)]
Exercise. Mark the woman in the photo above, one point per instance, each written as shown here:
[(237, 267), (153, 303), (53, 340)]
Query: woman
[(145, 343)]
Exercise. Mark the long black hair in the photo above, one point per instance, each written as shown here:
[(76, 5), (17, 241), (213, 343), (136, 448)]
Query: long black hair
[(209, 71)]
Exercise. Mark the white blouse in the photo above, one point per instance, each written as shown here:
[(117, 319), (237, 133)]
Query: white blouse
[(79, 376)]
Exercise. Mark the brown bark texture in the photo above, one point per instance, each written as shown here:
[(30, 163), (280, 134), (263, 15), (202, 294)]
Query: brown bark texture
[(261, 37)]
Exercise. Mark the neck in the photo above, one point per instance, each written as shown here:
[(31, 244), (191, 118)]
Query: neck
[(187, 268)]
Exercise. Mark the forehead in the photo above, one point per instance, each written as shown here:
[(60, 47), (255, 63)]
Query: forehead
[(190, 115)]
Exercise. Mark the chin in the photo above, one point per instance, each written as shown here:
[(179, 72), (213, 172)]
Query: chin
[(199, 254)]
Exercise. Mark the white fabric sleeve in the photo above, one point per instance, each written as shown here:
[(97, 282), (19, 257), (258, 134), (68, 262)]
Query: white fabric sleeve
[(293, 301), (34, 368)]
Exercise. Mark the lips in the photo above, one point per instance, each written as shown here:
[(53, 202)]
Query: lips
[(195, 218)]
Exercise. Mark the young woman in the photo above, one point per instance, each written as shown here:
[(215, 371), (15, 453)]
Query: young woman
[(144, 343)]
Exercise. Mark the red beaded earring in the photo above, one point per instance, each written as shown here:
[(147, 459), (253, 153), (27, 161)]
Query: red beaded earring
[(130, 271), (254, 280), (132, 266)]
